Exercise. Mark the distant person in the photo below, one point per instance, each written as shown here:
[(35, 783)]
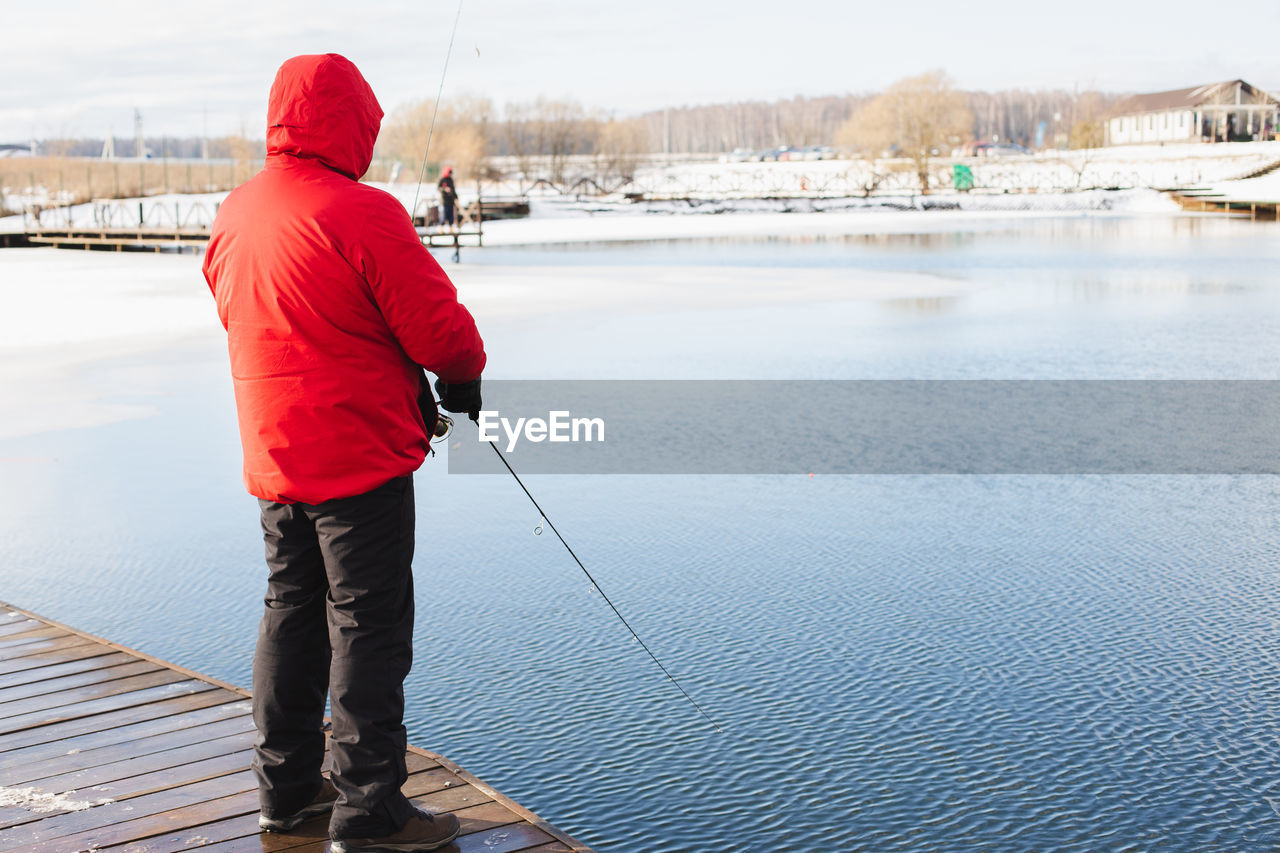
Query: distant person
[(448, 200), (332, 308)]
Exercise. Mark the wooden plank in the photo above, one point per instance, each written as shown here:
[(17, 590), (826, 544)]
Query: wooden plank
[(62, 757), (15, 642), (199, 833), (141, 786), (452, 798), (456, 799), (37, 673), (82, 714), (99, 706), (428, 781), (52, 644), (415, 763), (117, 647), (63, 699), (504, 839), (18, 625), (484, 817), (106, 722), (177, 829), (70, 823), (172, 777), (33, 629), (488, 791), (109, 672), (480, 818), (83, 649), (130, 768)]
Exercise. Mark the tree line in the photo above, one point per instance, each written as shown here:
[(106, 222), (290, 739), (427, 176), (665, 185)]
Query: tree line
[(917, 117), (470, 129)]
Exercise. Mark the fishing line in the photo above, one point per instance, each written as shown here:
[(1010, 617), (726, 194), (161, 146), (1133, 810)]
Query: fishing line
[(447, 423), (596, 586), (435, 111)]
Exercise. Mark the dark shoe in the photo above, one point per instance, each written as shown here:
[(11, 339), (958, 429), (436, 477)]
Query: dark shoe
[(322, 803), (424, 831)]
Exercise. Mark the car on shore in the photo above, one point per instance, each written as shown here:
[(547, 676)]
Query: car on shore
[(993, 149)]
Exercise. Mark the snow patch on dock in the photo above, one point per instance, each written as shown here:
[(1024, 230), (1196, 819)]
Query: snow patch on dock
[(38, 801)]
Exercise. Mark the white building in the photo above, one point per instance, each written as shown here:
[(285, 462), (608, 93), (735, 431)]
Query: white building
[(1232, 111)]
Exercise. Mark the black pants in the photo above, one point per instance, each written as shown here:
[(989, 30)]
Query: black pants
[(339, 616)]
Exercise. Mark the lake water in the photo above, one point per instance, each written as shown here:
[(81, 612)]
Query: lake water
[(957, 663)]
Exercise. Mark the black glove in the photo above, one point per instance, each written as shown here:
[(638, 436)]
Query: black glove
[(460, 397)]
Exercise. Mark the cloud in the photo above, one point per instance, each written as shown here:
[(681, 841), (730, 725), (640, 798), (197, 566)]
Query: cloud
[(88, 64)]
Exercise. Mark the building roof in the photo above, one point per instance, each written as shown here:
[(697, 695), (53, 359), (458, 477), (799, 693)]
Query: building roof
[(1210, 93)]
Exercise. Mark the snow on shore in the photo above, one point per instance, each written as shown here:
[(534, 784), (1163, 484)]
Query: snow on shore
[(1052, 171), (1265, 189), (1048, 180), (559, 219), (567, 221)]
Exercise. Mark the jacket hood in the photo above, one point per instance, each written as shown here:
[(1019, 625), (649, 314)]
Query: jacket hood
[(321, 108)]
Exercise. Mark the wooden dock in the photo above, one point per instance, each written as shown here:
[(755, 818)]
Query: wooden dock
[(118, 239), (105, 748), (160, 239), (1203, 200), (455, 240), (159, 226)]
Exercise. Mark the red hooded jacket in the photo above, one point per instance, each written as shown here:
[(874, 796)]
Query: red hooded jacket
[(329, 300)]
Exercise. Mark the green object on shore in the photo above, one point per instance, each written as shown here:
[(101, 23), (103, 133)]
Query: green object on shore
[(962, 177)]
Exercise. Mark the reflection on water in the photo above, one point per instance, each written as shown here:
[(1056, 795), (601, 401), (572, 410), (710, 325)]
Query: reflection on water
[(1198, 250), (900, 663)]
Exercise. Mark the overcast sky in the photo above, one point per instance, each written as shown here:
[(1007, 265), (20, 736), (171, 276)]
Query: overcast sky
[(77, 67)]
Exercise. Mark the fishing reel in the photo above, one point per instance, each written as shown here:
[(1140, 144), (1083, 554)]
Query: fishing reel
[(444, 426)]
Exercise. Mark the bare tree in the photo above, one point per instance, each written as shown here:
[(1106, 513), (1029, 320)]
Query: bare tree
[(618, 147), (551, 131), (564, 129), (459, 138), (520, 135), (1086, 133), (242, 150), (1088, 115), (918, 118)]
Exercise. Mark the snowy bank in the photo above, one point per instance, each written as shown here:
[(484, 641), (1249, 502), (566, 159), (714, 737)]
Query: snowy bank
[(559, 219), (568, 221)]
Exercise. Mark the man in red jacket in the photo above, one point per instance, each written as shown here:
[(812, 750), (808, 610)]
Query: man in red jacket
[(332, 308)]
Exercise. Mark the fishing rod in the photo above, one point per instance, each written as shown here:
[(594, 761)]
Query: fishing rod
[(596, 586), (444, 424), (435, 111)]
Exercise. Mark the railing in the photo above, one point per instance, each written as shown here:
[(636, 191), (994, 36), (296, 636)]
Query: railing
[(184, 215)]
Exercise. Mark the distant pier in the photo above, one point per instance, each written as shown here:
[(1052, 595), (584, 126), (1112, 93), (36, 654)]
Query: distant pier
[(158, 239), (169, 225), (1255, 194), (105, 748), (1211, 202)]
